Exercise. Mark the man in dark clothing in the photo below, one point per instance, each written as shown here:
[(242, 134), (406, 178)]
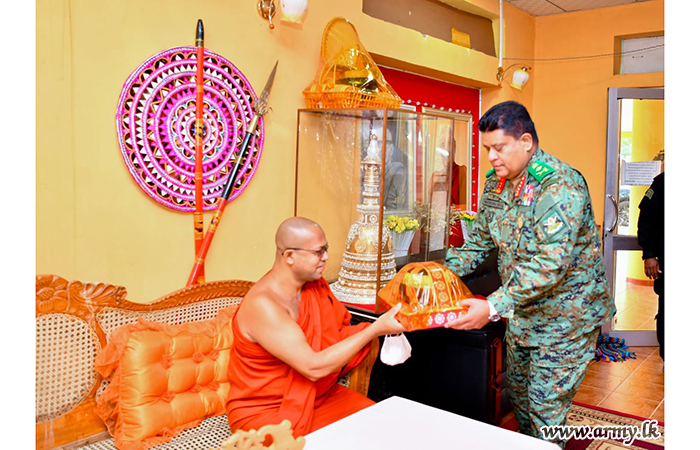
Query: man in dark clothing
[(396, 180), (650, 232)]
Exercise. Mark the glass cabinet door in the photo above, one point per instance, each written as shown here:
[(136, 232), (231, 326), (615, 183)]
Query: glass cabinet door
[(360, 172)]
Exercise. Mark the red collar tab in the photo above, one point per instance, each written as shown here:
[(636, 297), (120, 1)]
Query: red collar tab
[(501, 185), (520, 186)]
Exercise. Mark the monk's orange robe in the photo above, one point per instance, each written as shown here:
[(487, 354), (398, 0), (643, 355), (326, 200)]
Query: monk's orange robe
[(264, 390)]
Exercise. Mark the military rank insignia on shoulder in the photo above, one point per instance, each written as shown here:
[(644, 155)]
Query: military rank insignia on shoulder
[(649, 194), (490, 172), (540, 170)]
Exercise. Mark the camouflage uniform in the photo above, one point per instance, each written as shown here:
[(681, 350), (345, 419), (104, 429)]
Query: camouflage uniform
[(554, 291)]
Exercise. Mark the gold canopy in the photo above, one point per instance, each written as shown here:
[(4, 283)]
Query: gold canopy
[(347, 76)]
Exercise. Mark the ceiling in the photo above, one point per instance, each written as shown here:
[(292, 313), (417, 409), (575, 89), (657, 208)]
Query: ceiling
[(549, 7)]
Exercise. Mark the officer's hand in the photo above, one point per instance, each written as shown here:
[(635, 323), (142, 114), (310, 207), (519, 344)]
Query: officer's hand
[(474, 319), (651, 268)]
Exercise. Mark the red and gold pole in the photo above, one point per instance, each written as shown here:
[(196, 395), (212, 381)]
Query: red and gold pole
[(199, 134), (237, 170), (222, 202)]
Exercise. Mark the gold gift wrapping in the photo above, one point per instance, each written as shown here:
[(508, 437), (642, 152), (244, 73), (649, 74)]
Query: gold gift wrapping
[(429, 293)]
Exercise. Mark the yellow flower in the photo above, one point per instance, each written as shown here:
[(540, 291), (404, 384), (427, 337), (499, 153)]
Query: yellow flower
[(401, 224), (468, 216)]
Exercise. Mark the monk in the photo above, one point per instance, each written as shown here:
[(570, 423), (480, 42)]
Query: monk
[(293, 340)]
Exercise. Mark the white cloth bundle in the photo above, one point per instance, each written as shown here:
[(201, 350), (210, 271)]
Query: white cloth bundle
[(395, 350)]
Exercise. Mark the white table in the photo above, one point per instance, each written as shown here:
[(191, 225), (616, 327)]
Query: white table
[(397, 423)]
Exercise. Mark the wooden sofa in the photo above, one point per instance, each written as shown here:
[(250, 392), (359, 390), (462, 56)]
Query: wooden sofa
[(73, 323)]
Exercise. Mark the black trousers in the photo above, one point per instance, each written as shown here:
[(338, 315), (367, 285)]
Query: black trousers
[(659, 290)]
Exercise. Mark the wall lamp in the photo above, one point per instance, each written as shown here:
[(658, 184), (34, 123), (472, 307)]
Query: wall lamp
[(266, 10), (292, 10), (520, 75)]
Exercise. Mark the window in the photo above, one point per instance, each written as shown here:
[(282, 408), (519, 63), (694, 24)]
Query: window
[(640, 54)]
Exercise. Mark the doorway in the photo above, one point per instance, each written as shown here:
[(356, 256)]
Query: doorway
[(635, 143)]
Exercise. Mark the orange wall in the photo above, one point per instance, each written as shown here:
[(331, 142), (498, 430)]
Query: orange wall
[(518, 42), (570, 97)]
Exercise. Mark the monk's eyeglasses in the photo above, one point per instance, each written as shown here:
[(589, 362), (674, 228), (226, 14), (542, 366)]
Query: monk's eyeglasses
[(319, 253)]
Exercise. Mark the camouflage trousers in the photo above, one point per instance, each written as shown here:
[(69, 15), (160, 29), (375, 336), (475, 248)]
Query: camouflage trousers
[(542, 382)]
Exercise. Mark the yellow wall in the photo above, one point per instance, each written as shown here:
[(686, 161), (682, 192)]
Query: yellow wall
[(647, 141), (570, 97), (95, 224)]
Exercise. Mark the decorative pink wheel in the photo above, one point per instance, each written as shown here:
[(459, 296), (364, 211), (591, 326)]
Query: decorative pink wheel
[(155, 127)]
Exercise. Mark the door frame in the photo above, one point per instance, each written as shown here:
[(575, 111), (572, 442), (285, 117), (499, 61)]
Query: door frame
[(611, 241)]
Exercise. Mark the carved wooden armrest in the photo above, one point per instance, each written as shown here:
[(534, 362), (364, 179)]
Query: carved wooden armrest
[(359, 376)]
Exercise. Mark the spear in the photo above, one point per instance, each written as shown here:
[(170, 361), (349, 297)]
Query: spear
[(198, 137), (260, 107)]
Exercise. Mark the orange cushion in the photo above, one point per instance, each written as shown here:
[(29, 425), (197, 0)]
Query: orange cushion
[(164, 378)]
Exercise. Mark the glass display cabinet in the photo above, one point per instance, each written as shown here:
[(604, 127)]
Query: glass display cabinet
[(358, 169)]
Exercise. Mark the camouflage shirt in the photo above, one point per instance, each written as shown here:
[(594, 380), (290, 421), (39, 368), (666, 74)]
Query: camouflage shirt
[(554, 288)]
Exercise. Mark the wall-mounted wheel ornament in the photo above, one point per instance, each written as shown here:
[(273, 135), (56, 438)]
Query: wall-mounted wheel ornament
[(156, 126)]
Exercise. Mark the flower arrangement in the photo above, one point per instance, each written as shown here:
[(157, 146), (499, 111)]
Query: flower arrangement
[(467, 218), (399, 224)]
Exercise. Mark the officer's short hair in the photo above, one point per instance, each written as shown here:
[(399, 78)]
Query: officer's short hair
[(511, 117)]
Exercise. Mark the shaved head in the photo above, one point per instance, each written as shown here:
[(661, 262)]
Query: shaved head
[(294, 232)]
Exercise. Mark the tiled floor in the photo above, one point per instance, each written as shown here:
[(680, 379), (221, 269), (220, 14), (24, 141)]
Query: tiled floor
[(634, 386), (636, 304), (636, 307)]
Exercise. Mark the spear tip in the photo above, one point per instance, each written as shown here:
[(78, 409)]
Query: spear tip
[(271, 78), (200, 33)]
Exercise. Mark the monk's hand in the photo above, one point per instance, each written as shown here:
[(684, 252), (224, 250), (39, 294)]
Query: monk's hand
[(474, 319), (387, 323), (651, 268)]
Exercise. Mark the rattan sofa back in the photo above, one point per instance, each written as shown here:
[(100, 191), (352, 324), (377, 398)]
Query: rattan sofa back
[(73, 322)]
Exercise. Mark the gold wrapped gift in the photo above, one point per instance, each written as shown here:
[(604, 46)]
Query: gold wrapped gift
[(429, 293)]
